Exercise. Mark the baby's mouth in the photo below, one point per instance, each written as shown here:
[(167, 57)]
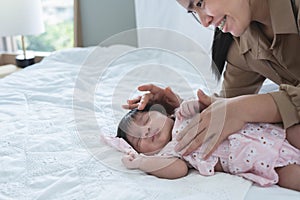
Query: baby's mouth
[(222, 24)]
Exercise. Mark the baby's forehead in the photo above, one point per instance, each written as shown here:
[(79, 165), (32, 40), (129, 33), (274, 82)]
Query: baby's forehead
[(142, 114), (139, 116), (134, 119)]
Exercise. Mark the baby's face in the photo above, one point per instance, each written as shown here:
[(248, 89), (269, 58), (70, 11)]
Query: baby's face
[(150, 132)]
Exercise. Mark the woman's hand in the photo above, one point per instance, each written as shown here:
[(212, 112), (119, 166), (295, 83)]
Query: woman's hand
[(210, 127), (155, 95)]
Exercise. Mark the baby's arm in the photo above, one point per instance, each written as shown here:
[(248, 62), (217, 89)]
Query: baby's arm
[(161, 167), (293, 135), (289, 176), (188, 109)]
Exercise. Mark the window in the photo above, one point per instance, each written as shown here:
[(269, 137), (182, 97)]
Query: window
[(58, 18)]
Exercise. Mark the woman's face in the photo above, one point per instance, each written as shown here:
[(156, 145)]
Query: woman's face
[(150, 131), (232, 16)]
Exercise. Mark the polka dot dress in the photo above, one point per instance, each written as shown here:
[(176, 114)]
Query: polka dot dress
[(252, 153)]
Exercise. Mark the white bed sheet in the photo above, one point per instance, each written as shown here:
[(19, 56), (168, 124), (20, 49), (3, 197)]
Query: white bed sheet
[(52, 115)]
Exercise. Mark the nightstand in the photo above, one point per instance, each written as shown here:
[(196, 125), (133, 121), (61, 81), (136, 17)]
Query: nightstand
[(8, 62), (8, 69)]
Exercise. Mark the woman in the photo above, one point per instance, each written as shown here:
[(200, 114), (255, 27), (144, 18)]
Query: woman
[(266, 44)]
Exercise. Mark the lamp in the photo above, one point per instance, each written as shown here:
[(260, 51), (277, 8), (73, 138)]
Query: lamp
[(21, 17)]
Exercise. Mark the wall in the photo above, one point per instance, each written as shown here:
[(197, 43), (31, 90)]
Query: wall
[(168, 14), (101, 19)]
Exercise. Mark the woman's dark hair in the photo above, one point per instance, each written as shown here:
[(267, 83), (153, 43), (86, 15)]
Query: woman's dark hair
[(127, 119), (220, 47)]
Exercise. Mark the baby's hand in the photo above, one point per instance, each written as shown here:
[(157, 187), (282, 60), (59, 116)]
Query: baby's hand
[(187, 109), (132, 160)]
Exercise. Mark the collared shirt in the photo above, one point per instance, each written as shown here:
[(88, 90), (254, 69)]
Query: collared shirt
[(253, 57)]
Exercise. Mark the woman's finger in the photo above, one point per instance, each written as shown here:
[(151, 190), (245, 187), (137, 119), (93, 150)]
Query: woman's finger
[(196, 143), (132, 103), (203, 99), (146, 98), (210, 149), (135, 100), (186, 140), (194, 122), (150, 87), (172, 98), (188, 134), (130, 106), (207, 142)]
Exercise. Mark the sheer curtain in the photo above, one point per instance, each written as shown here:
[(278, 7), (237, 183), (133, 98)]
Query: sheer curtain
[(168, 14)]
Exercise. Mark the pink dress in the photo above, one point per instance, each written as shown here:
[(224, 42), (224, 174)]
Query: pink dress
[(252, 153)]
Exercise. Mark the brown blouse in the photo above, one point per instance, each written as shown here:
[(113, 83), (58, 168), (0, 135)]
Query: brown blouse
[(252, 58)]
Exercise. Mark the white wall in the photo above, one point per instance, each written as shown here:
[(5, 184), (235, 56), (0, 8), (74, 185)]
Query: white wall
[(169, 14), (102, 19)]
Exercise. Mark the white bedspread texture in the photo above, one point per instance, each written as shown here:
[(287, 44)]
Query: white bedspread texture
[(47, 152)]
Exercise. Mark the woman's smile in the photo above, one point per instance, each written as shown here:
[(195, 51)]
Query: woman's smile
[(222, 23)]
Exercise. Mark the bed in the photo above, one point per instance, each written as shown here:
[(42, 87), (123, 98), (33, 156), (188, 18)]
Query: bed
[(53, 115)]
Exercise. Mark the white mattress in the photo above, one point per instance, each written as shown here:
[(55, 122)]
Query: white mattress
[(53, 113)]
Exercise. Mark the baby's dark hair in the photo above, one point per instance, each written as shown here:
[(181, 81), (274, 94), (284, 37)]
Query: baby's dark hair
[(131, 115)]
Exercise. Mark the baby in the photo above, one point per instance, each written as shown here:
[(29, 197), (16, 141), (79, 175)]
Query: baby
[(258, 152)]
